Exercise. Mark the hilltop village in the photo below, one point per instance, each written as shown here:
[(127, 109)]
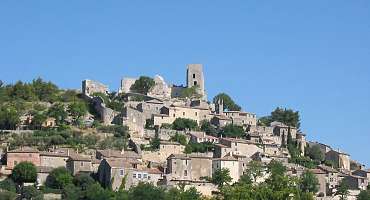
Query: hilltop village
[(152, 136)]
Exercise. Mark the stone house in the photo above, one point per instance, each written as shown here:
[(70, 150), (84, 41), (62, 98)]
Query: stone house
[(169, 114), (356, 182), (321, 176), (228, 162), (147, 175), (24, 154), (56, 158), (340, 159), (126, 84), (363, 173), (77, 163), (241, 118), (111, 172), (189, 166), (236, 147), (199, 137), (49, 122), (221, 120), (42, 174), (332, 178), (113, 154)]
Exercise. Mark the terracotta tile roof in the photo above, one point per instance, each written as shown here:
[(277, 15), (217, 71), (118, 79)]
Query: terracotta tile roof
[(79, 157), (317, 171), (118, 154)]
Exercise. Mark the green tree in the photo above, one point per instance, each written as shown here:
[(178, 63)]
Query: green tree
[(59, 178), (229, 103), (45, 91), (71, 192), (183, 124), (286, 116), (364, 195), (37, 120), (8, 184), (9, 117), (31, 193), (182, 194), (255, 170), (7, 195), (343, 190), (232, 130), (309, 182), (146, 191), (24, 172), (58, 112), (208, 128), (192, 92), (143, 85), (83, 180), (77, 110), (221, 177), (155, 142), (315, 153), (179, 138), (96, 192)]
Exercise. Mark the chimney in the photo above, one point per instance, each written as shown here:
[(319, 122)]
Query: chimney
[(123, 151)]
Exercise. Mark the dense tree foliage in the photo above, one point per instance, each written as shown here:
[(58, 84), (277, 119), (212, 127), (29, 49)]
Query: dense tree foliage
[(58, 111), (59, 178), (181, 124), (343, 190), (31, 193), (309, 182), (284, 115), (192, 93), (364, 195), (180, 138), (221, 177), (232, 130), (202, 147), (143, 85), (229, 103), (208, 128), (9, 117), (315, 153), (24, 172), (77, 110)]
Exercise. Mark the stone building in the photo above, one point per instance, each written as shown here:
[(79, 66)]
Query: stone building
[(227, 162), (78, 163), (340, 159), (191, 167), (331, 177), (321, 177), (236, 147), (126, 84), (56, 158), (356, 182), (160, 89), (169, 114), (241, 118), (195, 77), (362, 173), (199, 137), (24, 154), (90, 87)]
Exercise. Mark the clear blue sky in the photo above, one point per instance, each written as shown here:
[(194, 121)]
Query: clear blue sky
[(312, 56)]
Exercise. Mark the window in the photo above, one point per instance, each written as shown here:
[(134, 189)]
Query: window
[(82, 164), (185, 172), (196, 114), (145, 175), (193, 75), (183, 113), (134, 175), (195, 83), (121, 172), (139, 176), (15, 163), (174, 115), (148, 177), (186, 162), (29, 155)]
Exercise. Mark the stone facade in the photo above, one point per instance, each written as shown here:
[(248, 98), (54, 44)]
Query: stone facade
[(236, 147), (90, 87), (341, 159), (195, 77), (228, 162), (78, 163), (25, 154), (126, 84)]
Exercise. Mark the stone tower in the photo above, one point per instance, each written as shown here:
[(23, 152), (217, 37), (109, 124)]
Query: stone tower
[(195, 78)]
